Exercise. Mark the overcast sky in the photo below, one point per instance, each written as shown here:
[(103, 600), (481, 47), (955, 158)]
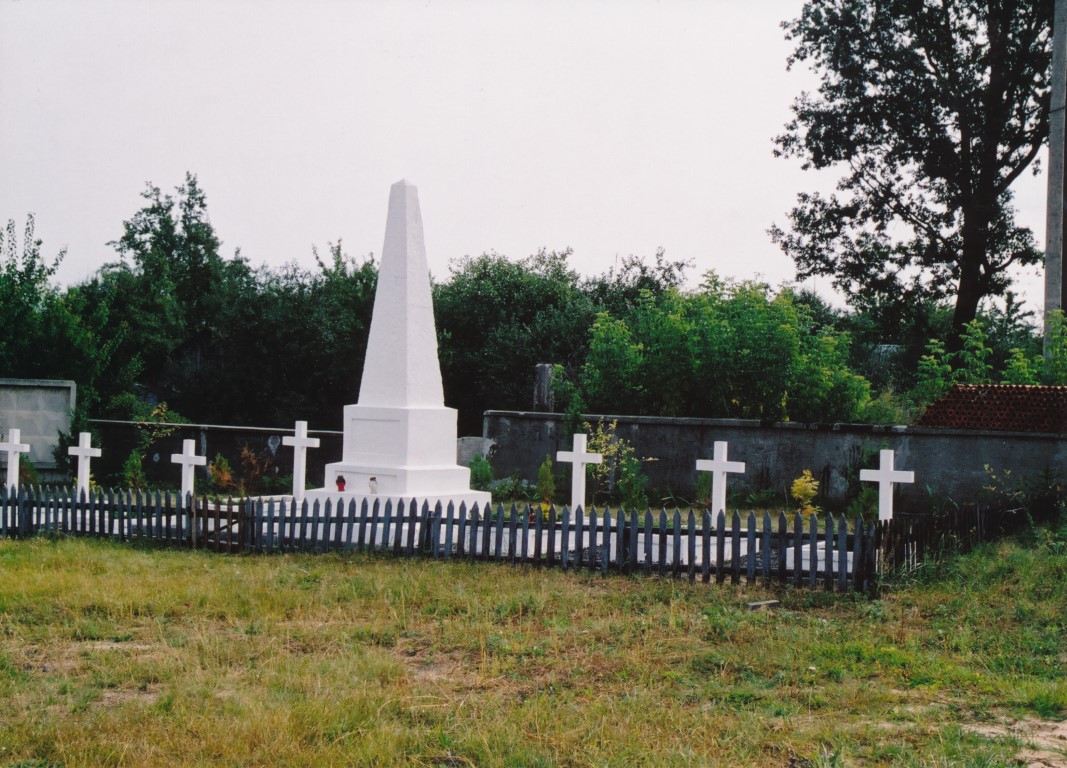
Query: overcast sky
[(612, 128)]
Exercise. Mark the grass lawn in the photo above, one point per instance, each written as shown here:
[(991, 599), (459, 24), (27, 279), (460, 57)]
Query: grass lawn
[(117, 655)]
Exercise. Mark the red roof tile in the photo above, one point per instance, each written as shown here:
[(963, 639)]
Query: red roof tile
[(1000, 407)]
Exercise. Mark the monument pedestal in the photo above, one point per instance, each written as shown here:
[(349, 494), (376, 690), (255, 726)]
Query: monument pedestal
[(400, 453)]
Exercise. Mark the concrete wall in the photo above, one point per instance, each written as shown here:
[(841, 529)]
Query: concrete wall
[(41, 409), (950, 462)]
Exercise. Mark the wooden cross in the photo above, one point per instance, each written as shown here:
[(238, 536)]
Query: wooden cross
[(300, 442), (579, 458), (718, 466), (85, 454), (886, 477), (188, 459), (13, 448)]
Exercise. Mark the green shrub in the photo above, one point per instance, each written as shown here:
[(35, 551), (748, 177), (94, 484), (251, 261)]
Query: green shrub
[(619, 474), (804, 490), (546, 482), (133, 475), (511, 488), (28, 473), (220, 474), (481, 473), (865, 504), (887, 408), (702, 489)]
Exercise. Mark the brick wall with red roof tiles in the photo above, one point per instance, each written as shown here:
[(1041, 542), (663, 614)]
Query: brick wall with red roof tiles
[(1000, 407)]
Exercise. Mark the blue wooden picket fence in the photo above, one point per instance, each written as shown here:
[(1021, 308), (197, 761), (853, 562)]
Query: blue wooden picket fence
[(691, 544)]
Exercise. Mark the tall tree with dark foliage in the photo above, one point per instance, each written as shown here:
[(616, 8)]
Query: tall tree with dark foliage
[(932, 108)]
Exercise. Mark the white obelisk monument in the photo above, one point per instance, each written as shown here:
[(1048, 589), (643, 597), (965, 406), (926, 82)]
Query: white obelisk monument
[(400, 439)]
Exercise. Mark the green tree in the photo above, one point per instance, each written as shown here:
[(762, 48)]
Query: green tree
[(171, 285), (497, 319), (47, 334), (940, 368), (933, 108), (623, 287), (304, 333), (726, 350), (614, 367)]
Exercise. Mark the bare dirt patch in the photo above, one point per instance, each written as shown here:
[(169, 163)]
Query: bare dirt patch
[(441, 669), (113, 697), (114, 646), (1046, 740)]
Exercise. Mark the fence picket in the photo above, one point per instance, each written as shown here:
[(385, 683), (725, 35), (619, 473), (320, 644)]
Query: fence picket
[(346, 521), (513, 522), (870, 570), (487, 532), (705, 539), (605, 538), (411, 514), (524, 555), (676, 543), (385, 544), (579, 535), (857, 556), (661, 550), (648, 542), (842, 553), (798, 548), (619, 541), (499, 532), (46, 514), (552, 535), (630, 543), (813, 551), (591, 550), (461, 536), (425, 517), (364, 517), (750, 555), (720, 547), (565, 543), (828, 552), (539, 529), (126, 502), (783, 537), (449, 520), (691, 549), (435, 531), (735, 548)]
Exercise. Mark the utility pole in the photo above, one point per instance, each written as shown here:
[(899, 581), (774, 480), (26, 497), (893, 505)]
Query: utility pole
[(1055, 289)]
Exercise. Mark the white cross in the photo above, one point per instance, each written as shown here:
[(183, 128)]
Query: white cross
[(718, 466), (300, 442), (579, 458), (85, 453), (13, 448), (188, 459), (886, 476)]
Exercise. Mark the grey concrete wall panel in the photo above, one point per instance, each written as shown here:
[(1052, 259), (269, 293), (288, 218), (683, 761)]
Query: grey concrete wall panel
[(950, 462)]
